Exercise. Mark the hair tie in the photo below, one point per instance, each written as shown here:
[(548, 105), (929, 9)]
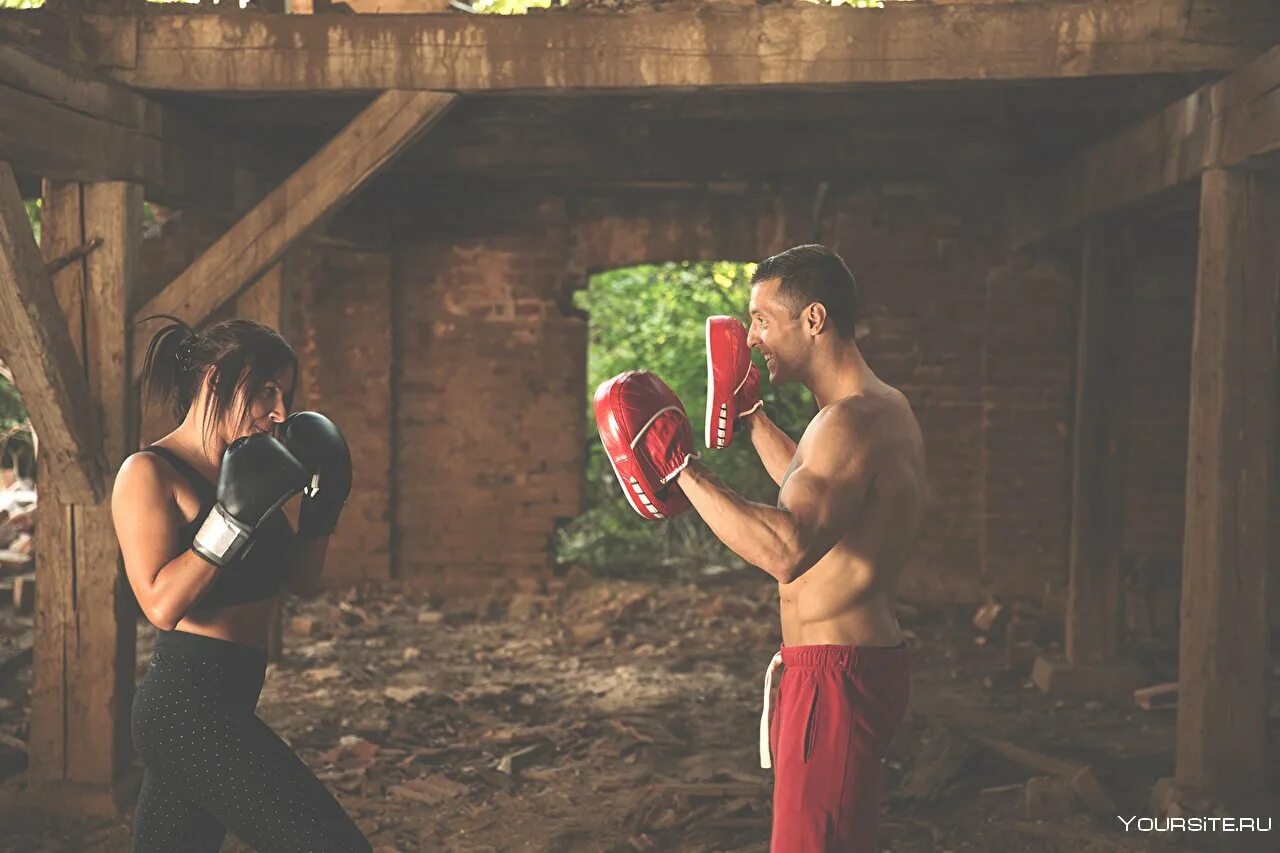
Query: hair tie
[(185, 352)]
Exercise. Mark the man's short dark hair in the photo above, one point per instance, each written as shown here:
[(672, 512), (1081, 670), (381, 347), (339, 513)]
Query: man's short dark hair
[(813, 273)]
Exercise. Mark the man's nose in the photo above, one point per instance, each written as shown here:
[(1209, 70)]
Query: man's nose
[(753, 339)]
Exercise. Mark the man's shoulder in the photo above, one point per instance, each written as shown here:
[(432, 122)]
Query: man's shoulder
[(862, 410)]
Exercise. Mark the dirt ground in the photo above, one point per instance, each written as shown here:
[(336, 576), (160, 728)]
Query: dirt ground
[(622, 716)]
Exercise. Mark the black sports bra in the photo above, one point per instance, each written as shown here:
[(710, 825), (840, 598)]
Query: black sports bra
[(261, 571)]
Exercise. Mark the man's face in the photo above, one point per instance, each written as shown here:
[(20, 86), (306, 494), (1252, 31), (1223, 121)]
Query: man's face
[(779, 337)]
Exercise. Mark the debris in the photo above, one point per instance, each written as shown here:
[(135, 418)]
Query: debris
[(430, 789), (1049, 797), (711, 789), (24, 593), (986, 616), (588, 634), (327, 673), (1002, 789), (1079, 777), (512, 763), (944, 757), (404, 695), (304, 626), (1157, 696)]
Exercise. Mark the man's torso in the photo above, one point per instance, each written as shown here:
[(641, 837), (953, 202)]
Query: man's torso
[(846, 598)]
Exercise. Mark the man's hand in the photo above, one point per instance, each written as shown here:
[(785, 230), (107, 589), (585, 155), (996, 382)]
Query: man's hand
[(648, 440), (733, 382)]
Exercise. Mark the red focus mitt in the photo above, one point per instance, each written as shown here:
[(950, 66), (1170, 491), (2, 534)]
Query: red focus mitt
[(733, 382), (647, 437)]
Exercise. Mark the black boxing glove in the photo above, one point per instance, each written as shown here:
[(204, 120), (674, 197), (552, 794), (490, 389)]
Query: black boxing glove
[(258, 475), (318, 444)]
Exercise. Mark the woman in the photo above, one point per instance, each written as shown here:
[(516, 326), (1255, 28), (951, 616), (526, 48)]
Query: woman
[(206, 563)]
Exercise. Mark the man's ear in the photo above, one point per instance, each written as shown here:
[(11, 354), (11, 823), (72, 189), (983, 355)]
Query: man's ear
[(815, 318)]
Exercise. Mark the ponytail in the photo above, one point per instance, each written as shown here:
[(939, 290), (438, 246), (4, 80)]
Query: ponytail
[(168, 373)]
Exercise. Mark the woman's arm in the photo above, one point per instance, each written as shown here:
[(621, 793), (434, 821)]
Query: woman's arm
[(309, 563), (147, 521)]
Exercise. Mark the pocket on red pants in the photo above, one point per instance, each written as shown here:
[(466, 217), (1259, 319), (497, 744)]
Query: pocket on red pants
[(811, 724)]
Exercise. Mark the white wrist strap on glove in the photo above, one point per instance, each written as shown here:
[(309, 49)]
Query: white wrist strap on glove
[(221, 538)]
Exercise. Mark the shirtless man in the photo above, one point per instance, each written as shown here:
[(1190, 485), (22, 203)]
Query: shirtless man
[(848, 515)]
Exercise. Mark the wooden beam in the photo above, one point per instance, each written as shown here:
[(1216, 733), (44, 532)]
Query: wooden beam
[(768, 47), (1093, 622), (59, 121), (321, 185), (1228, 541), (85, 621), (1230, 123), (36, 345)]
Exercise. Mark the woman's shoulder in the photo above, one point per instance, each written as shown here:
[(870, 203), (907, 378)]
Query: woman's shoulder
[(144, 474)]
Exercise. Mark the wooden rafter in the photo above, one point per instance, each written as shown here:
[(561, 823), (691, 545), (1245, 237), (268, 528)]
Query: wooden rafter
[(59, 121), (319, 186), (36, 345), (767, 47), (1226, 124)]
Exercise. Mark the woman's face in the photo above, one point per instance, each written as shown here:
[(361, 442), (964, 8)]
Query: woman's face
[(265, 407)]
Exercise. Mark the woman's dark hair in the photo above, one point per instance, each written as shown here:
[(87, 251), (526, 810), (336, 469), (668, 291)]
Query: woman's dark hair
[(813, 273), (243, 354)]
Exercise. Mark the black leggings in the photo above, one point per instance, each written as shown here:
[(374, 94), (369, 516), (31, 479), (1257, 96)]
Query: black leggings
[(212, 765)]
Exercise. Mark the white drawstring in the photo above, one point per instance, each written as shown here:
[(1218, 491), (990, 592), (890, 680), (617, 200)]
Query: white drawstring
[(765, 759)]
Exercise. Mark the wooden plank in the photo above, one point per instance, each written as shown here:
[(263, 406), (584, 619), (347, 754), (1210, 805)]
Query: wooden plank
[(321, 185), (263, 301), (1223, 660), (643, 49), (1229, 123), (38, 349), (1093, 622), (54, 624), (58, 120), (85, 625)]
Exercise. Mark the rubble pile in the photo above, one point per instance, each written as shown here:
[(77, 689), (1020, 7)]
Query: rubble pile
[(606, 715)]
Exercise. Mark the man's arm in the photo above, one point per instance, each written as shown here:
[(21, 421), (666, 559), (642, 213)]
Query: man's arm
[(775, 447), (819, 498)]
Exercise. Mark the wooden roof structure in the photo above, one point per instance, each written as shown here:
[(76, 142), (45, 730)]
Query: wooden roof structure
[(1066, 111)]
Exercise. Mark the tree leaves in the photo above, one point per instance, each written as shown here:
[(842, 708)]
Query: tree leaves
[(653, 317)]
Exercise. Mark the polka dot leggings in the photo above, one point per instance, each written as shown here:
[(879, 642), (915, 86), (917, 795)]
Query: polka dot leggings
[(212, 765)]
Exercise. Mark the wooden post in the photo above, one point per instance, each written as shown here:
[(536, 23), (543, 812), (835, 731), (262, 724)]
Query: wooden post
[(1093, 600), (85, 626), (1227, 543), (35, 343), (1093, 622)]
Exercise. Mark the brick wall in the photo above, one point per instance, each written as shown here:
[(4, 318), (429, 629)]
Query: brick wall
[(485, 432), (490, 378), (1162, 261), (338, 318), (1027, 391)]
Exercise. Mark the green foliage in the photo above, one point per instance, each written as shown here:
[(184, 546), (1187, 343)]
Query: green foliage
[(17, 444), (513, 7), (33, 213), (653, 317), (21, 4)]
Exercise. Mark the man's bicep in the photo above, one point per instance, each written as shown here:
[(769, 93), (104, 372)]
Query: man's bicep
[(822, 502)]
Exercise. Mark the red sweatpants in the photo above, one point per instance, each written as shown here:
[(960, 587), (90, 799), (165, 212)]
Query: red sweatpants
[(837, 710)]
